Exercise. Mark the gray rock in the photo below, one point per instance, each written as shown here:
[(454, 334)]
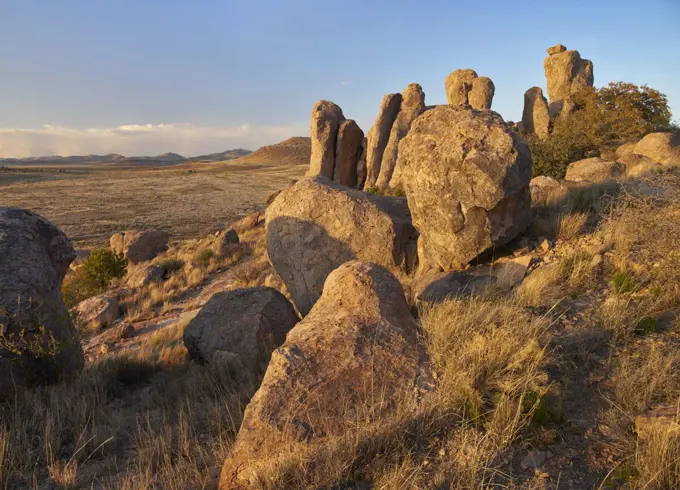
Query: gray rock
[(97, 312), (145, 275), (139, 246), (34, 258)]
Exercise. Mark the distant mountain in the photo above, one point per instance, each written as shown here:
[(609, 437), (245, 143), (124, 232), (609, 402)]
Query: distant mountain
[(120, 160), (293, 151)]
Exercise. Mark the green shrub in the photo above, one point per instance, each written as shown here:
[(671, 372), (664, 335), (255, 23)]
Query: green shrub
[(204, 256), (646, 325), (622, 283), (604, 119), (94, 276)]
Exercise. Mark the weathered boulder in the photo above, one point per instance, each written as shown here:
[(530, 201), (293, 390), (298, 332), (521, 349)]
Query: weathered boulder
[(317, 225), (379, 135), (558, 48), (626, 149), (535, 117), (348, 152), (139, 246), (326, 119), (458, 85), (242, 326), (545, 189), (466, 176), (594, 170), (566, 73), (361, 166), (355, 353), (481, 94), (222, 243), (662, 148), (145, 275), (38, 343), (412, 106), (97, 312)]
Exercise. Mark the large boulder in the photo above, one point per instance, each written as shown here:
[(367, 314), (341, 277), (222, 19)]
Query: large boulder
[(144, 275), (326, 119), (594, 170), (355, 353), (661, 148), (241, 327), (535, 117), (379, 135), (348, 152), (38, 343), (97, 312), (481, 94), (566, 73), (458, 85), (139, 246), (412, 106), (466, 175), (317, 225)]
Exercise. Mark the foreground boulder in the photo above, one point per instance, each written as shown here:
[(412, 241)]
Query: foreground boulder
[(139, 246), (594, 170), (38, 341), (97, 312), (663, 148), (379, 135), (240, 327), (412, 106), (466, 175), (317, 225), (355, 353)]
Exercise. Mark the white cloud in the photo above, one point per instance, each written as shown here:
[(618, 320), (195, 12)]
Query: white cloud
[(141, 139), (344, 83)]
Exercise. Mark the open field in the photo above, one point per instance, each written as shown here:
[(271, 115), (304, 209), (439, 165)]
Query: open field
[(91, 203)]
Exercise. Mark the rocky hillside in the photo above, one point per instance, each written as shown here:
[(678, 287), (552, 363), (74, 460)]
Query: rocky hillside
[(293, 151)]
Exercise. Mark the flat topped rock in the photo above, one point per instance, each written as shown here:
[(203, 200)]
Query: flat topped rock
[(557, 48)]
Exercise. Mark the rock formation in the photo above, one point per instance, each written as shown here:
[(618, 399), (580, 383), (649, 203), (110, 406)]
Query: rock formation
[(316, 225), (361, 166), (663, 148), (535, 117), (145, 275), (139, 246), (412, 106), (481, 94), (379, 135), (38, 341), (594, 170), (326, 119), (355, 353), (348, 152), (98, 311), (464, 87), (466, 176), (240, 327), (545, 189), (566, 74)]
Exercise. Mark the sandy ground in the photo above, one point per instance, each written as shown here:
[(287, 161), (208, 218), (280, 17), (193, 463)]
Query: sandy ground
[(90, 204)]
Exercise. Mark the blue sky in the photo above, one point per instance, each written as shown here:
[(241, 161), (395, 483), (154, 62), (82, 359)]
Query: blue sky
[(151, 76)]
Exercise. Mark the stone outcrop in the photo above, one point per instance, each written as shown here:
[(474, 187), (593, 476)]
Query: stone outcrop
[(361, 167), (326, 119), (97, 312), (39, 342), (464, 87), (663, 148), (481, 94), (535, 117), (379, 135), (594, 169), (355, 353), (466, 176), (412, 106), (240, 327), (458, 85), (139, 246), (566, 73), (348, 152), (317, 225)]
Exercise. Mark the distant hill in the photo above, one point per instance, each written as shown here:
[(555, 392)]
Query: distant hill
[(293, 151), (120, 160)]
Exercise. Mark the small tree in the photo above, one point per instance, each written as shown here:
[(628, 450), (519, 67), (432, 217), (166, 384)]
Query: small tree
[(604, 118), (94, 276)]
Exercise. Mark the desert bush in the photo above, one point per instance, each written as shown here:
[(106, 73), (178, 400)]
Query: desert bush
[(604, 118), (204, 256), (93, 277)]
